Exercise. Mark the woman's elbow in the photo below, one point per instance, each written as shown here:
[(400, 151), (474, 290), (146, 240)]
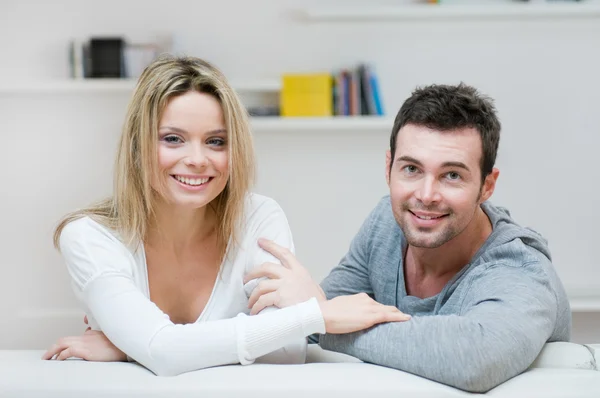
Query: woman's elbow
[(295, 353), (291, 354), (161, 365)]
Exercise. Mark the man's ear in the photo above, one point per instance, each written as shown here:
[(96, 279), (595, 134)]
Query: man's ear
[(388, 162), (489, 185)]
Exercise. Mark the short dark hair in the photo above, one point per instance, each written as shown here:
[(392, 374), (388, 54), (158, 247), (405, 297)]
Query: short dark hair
[(445, 108)]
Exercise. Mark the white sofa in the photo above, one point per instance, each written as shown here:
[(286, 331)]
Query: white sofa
[(565, 370)]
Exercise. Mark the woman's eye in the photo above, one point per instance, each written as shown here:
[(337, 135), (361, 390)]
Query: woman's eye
[(216, 141), (172, 139)]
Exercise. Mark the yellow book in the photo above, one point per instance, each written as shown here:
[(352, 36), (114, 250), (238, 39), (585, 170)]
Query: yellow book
[(306, 95)]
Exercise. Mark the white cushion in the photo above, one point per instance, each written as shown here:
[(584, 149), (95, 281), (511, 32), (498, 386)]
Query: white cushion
[(551, 383), (565, 355), (24, 375), (326, 374)]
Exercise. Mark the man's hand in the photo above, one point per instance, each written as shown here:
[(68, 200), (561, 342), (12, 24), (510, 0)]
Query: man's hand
[(347, 314), (287, 285)]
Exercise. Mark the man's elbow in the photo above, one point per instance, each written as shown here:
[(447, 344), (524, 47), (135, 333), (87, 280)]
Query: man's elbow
[(479, 378)]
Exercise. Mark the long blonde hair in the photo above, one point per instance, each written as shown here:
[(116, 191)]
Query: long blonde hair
[(131, 207)]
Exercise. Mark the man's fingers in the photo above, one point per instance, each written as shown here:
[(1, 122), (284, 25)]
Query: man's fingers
[(281, 253), (266, 300), (268, 270), (264, 287)]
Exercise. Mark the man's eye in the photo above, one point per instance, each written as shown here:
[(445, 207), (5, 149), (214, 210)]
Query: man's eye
[(453, 175), (410, 169)]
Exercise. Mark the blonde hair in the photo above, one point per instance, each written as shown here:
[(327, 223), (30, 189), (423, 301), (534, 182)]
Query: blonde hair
[(131, 207)]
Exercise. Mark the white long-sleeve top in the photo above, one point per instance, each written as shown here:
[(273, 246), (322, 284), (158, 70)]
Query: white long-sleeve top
[(111, 281)]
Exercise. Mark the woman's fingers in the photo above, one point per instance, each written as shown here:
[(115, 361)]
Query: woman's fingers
[(62, 344), (52, 351), (345, 314), (66, 353)]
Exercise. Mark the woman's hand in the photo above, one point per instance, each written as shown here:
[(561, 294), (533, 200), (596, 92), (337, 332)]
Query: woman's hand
[(93, 345), (347, 314)]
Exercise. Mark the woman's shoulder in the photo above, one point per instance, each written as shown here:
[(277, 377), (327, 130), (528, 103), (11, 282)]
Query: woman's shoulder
[(91, 249), (88, 237), (260, 207), (86, 228)]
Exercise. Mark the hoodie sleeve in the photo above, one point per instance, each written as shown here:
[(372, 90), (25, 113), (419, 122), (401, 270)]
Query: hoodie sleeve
[(506, 317)]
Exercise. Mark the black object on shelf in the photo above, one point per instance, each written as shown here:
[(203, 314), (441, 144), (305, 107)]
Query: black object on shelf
[(106, 57)]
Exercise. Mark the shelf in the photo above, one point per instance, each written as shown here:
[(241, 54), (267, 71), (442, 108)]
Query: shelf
[(73, 86), (260, 124), (345, 123), (585, 303), (590, 9)]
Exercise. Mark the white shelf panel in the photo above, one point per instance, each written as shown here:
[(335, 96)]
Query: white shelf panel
[(590, 9), (585, 303), (342, 123), (91, 86)]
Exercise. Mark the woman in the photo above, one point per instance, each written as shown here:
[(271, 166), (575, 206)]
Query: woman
[(159, 267)]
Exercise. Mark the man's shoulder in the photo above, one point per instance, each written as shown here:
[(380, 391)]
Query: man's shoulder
[(515, 254), (381, 232), (382, 216), (382, 223)]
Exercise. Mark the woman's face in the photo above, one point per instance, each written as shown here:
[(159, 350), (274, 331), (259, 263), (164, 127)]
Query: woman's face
[(193, 154)]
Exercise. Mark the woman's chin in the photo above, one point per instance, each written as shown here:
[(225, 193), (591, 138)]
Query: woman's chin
[(189, 204)]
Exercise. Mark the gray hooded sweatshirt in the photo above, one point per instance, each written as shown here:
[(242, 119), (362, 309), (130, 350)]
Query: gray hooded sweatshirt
[(487, 325)]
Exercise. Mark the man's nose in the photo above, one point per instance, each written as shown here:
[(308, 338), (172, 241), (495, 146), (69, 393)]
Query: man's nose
[(428, 191)]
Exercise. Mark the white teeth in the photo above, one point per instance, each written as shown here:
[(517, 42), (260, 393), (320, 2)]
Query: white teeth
[(192, 181), (427, 217)]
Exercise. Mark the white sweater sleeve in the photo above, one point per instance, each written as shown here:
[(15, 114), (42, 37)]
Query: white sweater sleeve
[(101, 270), (268, 220)]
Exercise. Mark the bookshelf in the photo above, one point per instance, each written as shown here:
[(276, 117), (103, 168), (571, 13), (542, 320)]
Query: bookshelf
[(94, 86), (333, 123), (266, 124), (511, 11)]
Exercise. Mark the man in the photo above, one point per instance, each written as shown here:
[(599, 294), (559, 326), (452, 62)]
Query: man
[(481, 290)]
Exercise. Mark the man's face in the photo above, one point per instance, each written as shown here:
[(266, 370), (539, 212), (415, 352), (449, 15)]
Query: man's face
[(435, 183)]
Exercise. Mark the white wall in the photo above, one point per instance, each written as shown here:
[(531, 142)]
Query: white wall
[(57, 150)]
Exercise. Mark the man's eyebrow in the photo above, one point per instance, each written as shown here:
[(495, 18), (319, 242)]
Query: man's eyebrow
[(410, 159), (182, 131), (459, 165)]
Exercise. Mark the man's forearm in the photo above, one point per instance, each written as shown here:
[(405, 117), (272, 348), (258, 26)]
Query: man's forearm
[(453, 350)]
